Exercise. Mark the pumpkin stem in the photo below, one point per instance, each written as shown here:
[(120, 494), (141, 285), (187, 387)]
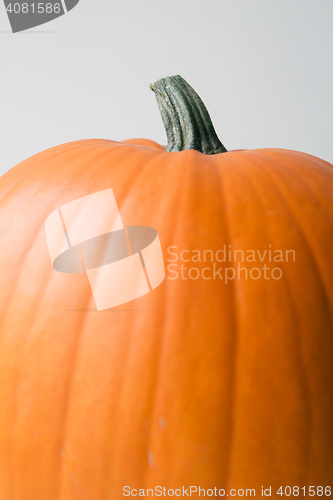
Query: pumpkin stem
[(185, 117)]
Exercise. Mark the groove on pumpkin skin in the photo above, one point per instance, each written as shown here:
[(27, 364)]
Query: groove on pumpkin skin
[(233, 161), (271, 185), (299, 219), (73, 364), (325, 307), (175, 228), (213, 176), (104, 174), (143, 169), (204, 175), (307, 240), (298, 213), (234, 293), (159, 343), (235, 167), (248, 174)]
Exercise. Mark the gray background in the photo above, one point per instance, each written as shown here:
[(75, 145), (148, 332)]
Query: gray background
[(264, 69)]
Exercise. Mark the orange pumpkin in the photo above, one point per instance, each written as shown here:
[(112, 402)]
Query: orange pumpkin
[(201, 382)]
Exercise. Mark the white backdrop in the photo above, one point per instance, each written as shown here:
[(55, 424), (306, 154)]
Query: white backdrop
[(264, 69)]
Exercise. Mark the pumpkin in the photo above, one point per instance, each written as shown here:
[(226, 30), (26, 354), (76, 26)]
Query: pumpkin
[(205, 381)]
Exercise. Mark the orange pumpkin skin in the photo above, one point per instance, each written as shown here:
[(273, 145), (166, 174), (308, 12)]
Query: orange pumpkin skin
[(198, 382)]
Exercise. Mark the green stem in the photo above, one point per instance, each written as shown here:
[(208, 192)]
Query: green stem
[(185, 117)]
